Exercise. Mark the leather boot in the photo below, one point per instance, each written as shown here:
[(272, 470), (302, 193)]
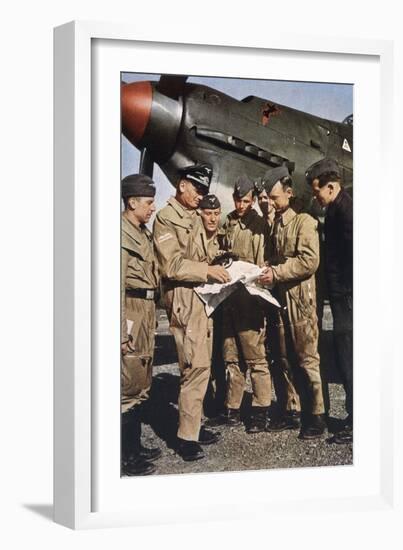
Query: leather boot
[(315, 427), (345, 435), (132, 463), (143, 415), (231, 417), (258, 420), (290, 420), (208, 437), (189, 450), (150, 453)]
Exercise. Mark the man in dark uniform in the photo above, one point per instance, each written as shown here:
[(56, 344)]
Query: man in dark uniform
[(325, 179), (139, 281)]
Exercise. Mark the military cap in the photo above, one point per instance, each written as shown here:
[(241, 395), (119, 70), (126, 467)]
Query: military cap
[(199, 174), (137, 185), (323, 166), (243, 185), (259, 186), (272, 176), (210, 201)]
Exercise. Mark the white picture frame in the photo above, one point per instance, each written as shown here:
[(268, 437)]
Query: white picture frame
[(87, 488)]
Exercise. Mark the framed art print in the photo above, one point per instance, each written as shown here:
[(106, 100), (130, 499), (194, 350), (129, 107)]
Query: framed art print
[(214, 120), (129, 103)]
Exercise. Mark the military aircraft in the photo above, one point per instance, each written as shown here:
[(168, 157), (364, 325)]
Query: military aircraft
[(175, 124)]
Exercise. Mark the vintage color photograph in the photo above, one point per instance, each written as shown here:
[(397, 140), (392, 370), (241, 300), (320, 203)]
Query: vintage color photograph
[(236, 274)]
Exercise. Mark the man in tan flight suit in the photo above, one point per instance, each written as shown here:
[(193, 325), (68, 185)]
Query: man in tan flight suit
[(139, 273), (294, 259), (284, 387), (210, 213), (244, 318), (263, 201), (182, 249)]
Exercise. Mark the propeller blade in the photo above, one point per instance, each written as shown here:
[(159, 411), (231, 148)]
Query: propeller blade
[(171, 85)]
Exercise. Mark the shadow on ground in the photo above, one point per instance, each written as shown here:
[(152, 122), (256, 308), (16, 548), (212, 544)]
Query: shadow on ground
[(44, 510), (165, 350), (160, 411)]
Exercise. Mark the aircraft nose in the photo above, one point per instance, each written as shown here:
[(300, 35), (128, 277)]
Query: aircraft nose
[(151, 119), (137, 101)]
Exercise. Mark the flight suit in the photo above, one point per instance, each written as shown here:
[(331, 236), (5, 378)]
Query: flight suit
[(183, 254), (139, 274), (243, 317), (286, 394), (294, 257)]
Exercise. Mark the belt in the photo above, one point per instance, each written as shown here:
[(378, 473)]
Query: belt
[(169, 284), (145, 293)]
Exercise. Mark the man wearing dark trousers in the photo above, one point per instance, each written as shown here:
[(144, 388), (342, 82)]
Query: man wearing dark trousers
[(325, 179)]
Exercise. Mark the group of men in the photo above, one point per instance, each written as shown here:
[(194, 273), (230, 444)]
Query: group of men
[(273, 345)]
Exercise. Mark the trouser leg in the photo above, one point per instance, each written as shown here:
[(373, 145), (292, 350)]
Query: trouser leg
[(134, 457), (252, 343), (260, 381), (305, 339), (136, 367), (194, 365), (342, 311), (130, 434), (193, 386), (235, 385), (344, 349), (244, 342), (234, 364), (135, 385), (323, 339), (135, 380), (282, 373), (218, 367)]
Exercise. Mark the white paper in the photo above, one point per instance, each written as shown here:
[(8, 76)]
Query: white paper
[(241, 273)]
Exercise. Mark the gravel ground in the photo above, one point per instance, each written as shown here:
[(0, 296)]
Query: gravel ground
[(237, 450)]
